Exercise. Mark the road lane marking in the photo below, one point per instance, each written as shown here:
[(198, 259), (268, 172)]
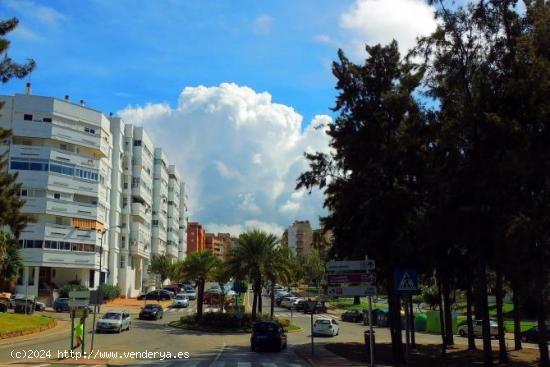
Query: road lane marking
[(267, 364), (217, 356), (244, 364)]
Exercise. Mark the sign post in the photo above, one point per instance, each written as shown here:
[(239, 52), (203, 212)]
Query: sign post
[(311, 307), (406, 284), (355, 278)]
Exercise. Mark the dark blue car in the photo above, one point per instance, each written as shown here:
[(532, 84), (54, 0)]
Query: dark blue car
[(61, 305), (532, 335), (267, 334)]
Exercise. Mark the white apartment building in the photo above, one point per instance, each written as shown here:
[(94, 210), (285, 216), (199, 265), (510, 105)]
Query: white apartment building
[(300, 237), (160, 203), (84, 174), (183, 219), (62, 153)]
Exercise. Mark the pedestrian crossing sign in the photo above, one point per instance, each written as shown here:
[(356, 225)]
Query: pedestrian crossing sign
[(406, 282)]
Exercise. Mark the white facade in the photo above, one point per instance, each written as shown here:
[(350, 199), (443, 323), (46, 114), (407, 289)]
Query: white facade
[(84, 174)]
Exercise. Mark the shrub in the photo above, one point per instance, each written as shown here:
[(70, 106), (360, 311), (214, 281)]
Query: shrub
[(64, 291), (110, 292), (229, 321)]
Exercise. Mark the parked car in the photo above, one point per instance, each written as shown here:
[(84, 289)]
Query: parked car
[(353, 316), (288, 302), (532, 335), (301, 305), (326, 327), (157, 295), (463, 329), (39, 306), (61, 305), (319, 308), (279, 297), (151, 312), (180, 301), (190, 294), (114, 321), (267, 334)]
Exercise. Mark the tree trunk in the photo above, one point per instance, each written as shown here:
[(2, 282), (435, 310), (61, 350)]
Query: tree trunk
[(411, 315), (200, 298), (502, 354), (356, 300), (272, 296), (469, 318), (441, 317), (484, 311), (260, 296), (449, 337), (395, 322), (254, 300), (541, 310), (517, 324)]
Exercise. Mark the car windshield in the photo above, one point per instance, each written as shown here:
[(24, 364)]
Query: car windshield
[(150, 307), (179, 296), (323, 321), (112, 316), (265, 328)]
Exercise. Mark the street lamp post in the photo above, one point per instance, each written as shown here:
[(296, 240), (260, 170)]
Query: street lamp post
[(97, 308)]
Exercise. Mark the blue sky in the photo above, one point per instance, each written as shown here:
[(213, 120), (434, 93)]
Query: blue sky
[(116, 53), (230, 89)]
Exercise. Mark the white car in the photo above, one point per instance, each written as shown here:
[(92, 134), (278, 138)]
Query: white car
[(288, 302), (326, 327), (114, 321), (180, 301), (478, 332), (190, 294)]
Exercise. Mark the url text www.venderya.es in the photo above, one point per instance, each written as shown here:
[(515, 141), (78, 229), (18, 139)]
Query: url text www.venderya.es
[(96, 354)]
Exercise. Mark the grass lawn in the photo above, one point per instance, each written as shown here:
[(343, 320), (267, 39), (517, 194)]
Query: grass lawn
[(10, 322), (347, 304)]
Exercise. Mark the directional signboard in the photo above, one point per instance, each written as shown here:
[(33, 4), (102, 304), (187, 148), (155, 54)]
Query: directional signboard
[(351, 278), (79, 298), (406, 282)]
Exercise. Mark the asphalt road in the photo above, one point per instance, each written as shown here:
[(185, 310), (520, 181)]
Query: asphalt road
[(204, 350)]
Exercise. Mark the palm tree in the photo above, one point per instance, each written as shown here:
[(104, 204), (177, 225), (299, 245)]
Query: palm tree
[(250, 257), (199, 266), (222, 276), (277, 269), (161, 264)]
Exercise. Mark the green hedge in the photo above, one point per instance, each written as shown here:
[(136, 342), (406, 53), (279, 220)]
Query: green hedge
[(226, 321), (110, 292)]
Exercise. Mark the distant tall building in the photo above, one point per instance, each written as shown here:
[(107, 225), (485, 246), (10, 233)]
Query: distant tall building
[(300, 237), (219, 244), (196, 237)]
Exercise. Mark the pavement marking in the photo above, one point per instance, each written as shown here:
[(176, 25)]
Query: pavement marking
[(218, 355), (266, 364), (294, 365), (244, 364)]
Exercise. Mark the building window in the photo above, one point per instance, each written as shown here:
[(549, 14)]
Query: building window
[(122, 261), (24, 192), (137, 143), (27, 117), (56, 195), (31, 275), (47, 119), (58, 220)]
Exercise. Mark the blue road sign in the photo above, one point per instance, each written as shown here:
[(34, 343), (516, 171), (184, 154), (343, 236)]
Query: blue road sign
[(406, 282)]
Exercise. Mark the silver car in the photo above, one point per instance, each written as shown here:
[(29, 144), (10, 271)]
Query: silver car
[(114, 321), (181, 301)]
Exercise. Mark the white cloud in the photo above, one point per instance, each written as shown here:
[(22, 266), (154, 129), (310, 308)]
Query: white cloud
[(240, 154), (237, 229), (263, 24), (25, 33), (42, 13), (323, 38), (380, 21)]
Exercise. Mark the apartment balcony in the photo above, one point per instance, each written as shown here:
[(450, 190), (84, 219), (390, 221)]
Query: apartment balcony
[(64, 133), (60, 258), (56, 232), (173, 236), (159, 232), (141, 210), (172, 250), (138, 247)]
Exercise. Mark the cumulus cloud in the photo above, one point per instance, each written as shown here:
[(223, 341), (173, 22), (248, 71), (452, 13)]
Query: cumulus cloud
[(380, 21), (263, 24), (239, 153)]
